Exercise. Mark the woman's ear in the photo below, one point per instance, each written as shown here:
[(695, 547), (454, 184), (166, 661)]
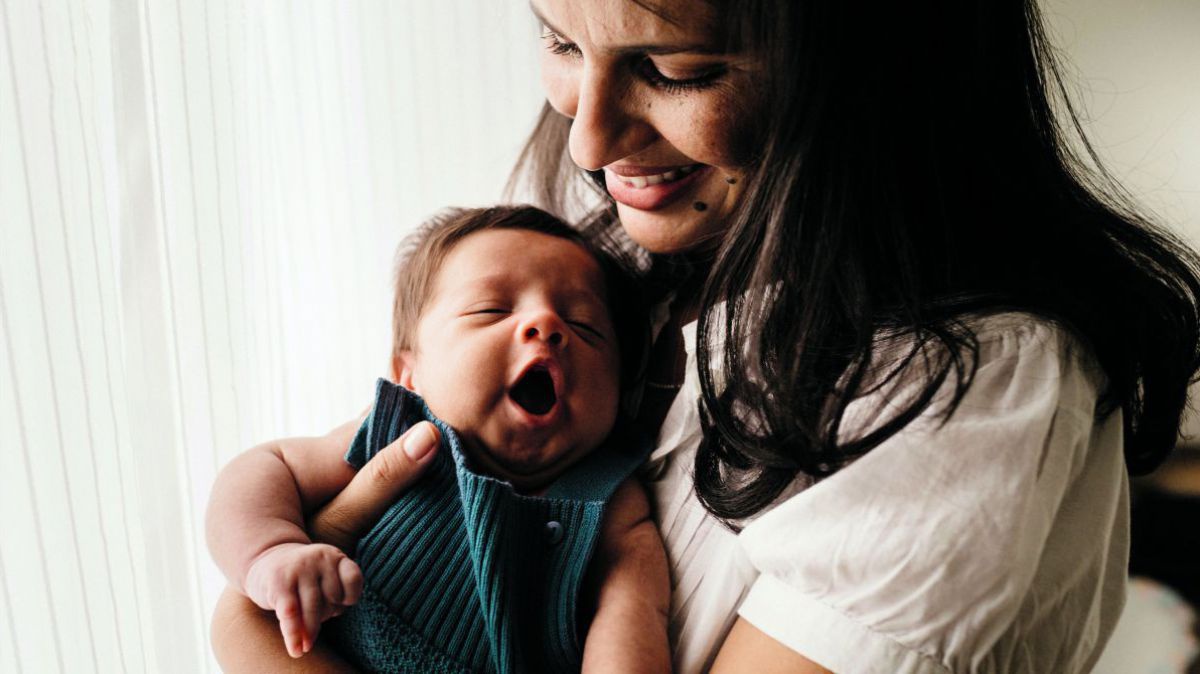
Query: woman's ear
[(403, 363)]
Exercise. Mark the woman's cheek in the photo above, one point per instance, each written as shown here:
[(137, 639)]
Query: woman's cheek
[(726, 134), (558, 83), (720, 123)]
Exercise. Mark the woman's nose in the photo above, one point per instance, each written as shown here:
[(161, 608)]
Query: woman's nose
[(607, 125), (545, 327)]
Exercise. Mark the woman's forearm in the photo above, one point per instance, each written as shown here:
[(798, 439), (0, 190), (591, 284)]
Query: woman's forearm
[(246, 639)]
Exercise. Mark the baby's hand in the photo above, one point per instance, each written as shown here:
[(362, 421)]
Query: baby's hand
[(305, 584)]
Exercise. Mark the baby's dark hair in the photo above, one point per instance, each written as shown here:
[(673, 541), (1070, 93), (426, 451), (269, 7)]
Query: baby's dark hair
[(422, 253)]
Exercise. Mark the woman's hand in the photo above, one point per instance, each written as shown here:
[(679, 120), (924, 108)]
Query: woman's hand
[(247, 639), (351, 513)]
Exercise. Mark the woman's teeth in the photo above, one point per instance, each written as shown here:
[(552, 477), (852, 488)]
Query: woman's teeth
[(638, 182)]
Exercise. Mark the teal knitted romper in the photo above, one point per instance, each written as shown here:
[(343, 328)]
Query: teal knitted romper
[(463, 574)]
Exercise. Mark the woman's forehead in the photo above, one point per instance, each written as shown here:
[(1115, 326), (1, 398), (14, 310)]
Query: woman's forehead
[(630, 24)]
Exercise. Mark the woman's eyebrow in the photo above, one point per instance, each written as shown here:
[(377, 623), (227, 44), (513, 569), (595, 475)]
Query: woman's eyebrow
[(652, 49), (659, 50), (533, 8)]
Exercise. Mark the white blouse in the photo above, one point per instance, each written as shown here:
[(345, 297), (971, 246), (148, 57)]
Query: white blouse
[(997, 542)]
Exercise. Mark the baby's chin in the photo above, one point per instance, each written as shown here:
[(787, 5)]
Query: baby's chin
[(529, 471)]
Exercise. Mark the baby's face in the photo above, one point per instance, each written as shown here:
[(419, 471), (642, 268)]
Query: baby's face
[(515, 350)]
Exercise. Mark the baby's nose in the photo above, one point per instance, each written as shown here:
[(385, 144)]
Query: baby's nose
[(544, 326)]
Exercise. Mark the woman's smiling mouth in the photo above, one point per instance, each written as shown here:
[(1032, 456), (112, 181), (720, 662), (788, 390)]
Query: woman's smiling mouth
[(641, 176), (651, 188)]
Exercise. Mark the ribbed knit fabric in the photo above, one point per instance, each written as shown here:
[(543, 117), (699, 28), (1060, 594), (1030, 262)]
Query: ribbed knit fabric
[(463, 574)]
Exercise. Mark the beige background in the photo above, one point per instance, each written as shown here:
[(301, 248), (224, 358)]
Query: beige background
[(1137, 69), (1136, 66)]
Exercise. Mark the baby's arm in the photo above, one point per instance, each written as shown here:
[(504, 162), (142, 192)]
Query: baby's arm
[(256, 533), (629, 630)]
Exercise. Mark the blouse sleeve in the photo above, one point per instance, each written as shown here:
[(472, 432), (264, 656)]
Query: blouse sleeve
[(917, 557)]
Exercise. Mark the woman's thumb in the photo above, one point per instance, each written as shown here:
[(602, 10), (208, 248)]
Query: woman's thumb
[(375, 487), (419, 441)]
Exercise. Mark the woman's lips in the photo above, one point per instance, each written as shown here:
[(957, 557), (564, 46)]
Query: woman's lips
[(652, 197)]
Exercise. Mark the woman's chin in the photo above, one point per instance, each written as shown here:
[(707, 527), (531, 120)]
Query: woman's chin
[(692, 223), (678, 229)]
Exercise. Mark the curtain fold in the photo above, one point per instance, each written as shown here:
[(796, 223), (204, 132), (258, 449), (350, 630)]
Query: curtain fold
[(198, 207), (199, 204)]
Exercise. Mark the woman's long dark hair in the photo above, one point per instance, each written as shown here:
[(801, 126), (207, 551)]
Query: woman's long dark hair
[(913, 174)]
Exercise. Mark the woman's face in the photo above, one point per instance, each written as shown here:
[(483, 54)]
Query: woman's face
[(657, 105)]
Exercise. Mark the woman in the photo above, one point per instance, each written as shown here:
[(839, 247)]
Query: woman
[(910, 347)]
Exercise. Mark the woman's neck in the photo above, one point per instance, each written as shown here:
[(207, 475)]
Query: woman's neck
[(668, 359), (685, 307)]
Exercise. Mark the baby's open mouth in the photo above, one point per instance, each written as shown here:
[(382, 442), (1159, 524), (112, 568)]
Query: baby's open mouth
[(534, 391)]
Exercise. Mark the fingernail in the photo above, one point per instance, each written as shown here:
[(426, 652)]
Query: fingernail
[(418, 444)]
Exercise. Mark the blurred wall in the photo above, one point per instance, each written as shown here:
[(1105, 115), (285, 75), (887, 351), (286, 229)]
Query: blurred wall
[(1136, 72), (1136, 67)]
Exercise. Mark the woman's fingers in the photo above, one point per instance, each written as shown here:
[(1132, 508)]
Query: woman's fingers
[(332, 589), (352, 512), (352, 581)]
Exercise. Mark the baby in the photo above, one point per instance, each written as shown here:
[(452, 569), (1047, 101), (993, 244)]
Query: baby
[(506, 338)]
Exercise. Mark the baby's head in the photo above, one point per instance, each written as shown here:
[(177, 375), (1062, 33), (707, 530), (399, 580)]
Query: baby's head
[(503, 323)]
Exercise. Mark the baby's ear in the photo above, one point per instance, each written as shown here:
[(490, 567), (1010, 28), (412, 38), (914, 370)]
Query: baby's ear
[(402, 369)]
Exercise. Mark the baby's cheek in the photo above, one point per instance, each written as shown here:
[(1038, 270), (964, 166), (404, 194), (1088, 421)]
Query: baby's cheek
[(608, 400), (449, 397)]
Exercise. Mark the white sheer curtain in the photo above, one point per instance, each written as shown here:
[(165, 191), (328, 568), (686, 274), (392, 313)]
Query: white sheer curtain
[(199, 203)]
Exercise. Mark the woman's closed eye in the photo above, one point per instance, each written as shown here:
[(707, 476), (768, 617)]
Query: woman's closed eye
[(557, 45), (704, 79), (644, 67)]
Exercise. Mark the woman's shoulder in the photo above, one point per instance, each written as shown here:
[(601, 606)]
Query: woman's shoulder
[(1020, 349), (949, 534), (1005, 361), (1002, 334), (1020, 332)]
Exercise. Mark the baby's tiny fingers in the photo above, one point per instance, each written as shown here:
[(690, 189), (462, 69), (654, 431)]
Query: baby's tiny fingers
[(291, 624), (312, 606), (352, 581)]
